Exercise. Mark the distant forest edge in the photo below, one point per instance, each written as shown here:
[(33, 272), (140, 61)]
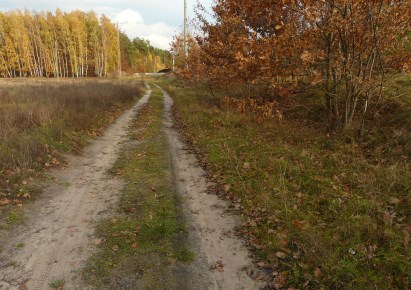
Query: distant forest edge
[(74, 44)]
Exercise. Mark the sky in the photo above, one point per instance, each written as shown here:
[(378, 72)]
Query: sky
[(155, 20)]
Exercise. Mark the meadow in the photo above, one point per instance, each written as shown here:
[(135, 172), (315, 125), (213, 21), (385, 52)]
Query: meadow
[(41, 119)]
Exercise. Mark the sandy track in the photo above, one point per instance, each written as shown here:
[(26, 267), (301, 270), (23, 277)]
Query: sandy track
[(211, 226), (57, 234)]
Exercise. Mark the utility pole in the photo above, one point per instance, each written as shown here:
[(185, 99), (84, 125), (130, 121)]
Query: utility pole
[(185, 29)]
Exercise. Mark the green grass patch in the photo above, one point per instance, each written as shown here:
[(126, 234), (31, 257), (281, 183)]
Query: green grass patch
[(324, 212), (14, 217), (20, 245), (140, 244), (57, 284), (184, 255)]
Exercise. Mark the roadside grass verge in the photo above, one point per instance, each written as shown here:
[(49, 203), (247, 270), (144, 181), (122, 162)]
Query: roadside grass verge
[(40, 119), (321, 211), (140, 246)]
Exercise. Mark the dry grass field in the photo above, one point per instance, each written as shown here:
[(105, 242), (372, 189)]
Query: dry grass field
[(40, 119)]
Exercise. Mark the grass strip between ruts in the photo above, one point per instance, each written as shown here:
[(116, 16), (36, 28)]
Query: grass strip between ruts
[(141, 244)]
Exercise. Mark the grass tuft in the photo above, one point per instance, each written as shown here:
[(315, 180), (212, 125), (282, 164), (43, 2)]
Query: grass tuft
[(184, 255), (57, 284), (14, 217)]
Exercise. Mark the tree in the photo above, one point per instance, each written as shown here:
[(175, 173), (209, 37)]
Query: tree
[(343, 47)]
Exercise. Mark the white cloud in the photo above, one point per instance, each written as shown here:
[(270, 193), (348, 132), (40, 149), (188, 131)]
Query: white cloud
[(129, 16), (160, 41), (132, 23)]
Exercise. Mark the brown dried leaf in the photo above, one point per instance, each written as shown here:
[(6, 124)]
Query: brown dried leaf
[(5, 201), (98, 241), (318, 273), (261, 264), (281, 255), (218, 266), (395, 201)]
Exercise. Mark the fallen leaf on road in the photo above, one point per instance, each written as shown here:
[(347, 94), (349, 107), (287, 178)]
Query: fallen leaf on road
[(218, 266), (5, 201)]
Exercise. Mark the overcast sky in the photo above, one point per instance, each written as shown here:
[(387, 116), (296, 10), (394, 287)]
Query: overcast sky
[(155, 20)]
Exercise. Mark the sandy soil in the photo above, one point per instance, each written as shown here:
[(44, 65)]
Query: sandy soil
[(57, 234), (212, 226)]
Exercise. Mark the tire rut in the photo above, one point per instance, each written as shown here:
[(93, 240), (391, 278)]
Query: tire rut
[(219, 252)]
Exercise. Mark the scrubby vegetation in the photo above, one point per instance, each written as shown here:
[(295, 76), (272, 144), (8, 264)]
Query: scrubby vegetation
[(321, 210)]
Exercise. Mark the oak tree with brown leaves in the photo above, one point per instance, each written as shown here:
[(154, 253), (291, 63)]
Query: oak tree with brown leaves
[(345, 48)]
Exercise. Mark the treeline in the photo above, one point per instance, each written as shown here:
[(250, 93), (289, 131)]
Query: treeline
[(139, 56), (345, 49), (74, 44)]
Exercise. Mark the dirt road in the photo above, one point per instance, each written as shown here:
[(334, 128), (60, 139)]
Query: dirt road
[(56, 238)]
